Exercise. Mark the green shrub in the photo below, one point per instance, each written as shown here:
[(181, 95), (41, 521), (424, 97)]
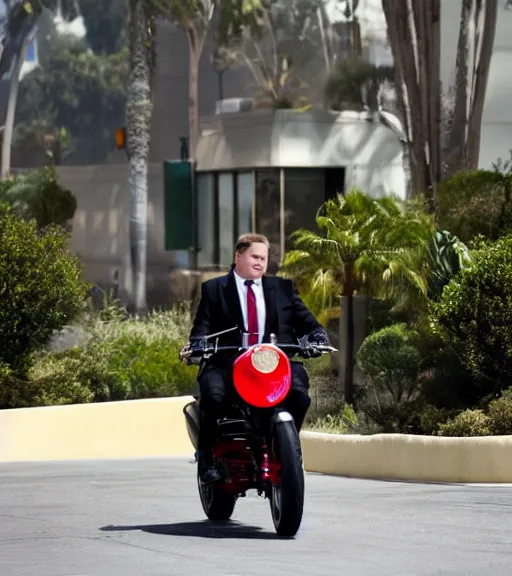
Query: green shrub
[(424, 418), (495, 420), (341, 422), (41, 287), (72, 376), (476, 203), (474, 316), (446, 257), (143, 354), (467, 423), (500, 414), (122, 359), (391, 360), (444, 382)]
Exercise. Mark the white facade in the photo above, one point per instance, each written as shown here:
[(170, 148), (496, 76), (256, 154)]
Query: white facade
[(370, 152)]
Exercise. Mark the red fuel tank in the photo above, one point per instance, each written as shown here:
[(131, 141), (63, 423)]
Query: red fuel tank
[(262, 375)]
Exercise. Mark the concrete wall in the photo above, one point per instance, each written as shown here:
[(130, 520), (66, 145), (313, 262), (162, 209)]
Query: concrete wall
[(101, 228)]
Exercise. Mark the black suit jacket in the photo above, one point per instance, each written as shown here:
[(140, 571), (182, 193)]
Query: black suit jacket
[(219, 309)]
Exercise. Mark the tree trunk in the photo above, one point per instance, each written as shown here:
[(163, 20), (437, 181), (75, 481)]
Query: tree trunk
[(414, 35), (138, 117), (349, 350), (480, 78), (474, 52), (348, 314), (408, 48), (194, 55), (323, 40), (14, 83), (457, 135)]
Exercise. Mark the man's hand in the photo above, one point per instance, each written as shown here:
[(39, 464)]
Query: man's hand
[(318, 337), (186, 354)]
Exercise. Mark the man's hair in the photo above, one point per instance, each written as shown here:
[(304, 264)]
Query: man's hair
[(245, 240)]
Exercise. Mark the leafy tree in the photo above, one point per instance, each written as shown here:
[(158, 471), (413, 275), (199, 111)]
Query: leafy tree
[(280, 43), (41, 287), (21, 20), (391, 362), (106, 23), (37, 195), (75, 90)]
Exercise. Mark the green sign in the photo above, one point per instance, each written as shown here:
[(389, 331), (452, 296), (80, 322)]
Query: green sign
[(178, 205)]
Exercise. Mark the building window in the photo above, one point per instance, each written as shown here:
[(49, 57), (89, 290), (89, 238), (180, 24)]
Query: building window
[(268, 204), (226, 219), (244, 197), (205, 187), (304, 194), (225, 206), (234, 203)]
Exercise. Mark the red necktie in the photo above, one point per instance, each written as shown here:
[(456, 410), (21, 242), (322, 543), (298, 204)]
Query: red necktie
[(252, 315)]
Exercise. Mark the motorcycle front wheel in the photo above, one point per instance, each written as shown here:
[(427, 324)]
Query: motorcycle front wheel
[(287, 493)]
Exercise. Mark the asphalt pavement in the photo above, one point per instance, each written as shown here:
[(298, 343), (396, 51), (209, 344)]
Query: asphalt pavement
[(144, 518)]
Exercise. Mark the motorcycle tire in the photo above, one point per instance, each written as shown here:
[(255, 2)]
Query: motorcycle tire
[(217, 505), (287, 495)]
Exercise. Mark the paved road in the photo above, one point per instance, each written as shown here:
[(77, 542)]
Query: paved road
[(143, 518)]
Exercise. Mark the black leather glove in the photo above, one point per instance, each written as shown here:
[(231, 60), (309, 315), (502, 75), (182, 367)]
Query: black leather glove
[(319, 336)]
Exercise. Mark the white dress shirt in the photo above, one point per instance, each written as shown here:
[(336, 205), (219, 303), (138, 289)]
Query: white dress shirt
[(257, 288)]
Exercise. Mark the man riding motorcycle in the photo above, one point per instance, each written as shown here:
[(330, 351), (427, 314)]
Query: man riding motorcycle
[(260, 305)]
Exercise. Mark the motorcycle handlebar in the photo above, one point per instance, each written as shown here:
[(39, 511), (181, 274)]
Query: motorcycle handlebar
[(211, 349)]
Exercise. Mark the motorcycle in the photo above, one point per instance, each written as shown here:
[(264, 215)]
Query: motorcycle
[(257, 445)]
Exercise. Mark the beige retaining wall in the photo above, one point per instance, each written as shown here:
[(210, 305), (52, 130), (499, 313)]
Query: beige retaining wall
[(130, 429), (156, 427), (409, 457)]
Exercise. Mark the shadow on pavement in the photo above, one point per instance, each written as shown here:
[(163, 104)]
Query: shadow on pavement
[(203, 529)]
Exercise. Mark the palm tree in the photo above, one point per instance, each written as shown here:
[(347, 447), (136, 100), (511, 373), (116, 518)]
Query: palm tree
[(366, 245), (138, 118)]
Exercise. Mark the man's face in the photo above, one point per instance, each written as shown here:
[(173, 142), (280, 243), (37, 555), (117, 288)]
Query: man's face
[(252, 264)]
